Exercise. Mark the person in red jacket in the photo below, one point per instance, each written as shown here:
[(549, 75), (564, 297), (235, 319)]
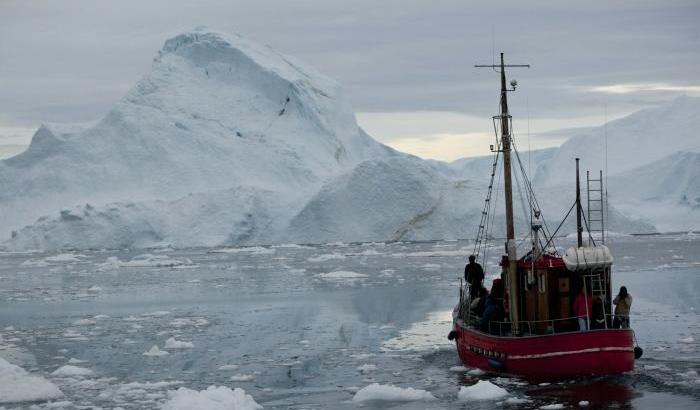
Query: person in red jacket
[(582, 308)]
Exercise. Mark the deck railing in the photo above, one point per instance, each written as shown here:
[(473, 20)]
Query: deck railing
[(527, 327)]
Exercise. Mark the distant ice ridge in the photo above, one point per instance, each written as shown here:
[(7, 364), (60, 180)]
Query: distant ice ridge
[(229, 143), (221, 143)]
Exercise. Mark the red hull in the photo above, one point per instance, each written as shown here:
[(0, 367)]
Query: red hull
[(556, 356)]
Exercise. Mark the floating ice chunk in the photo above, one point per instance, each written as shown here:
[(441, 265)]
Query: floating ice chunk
[(17, 385), (184, 321), (482, 390), (85, 322), (73, 360), (584, 403), (94, 289), (476, 372), (100, 317), (155, 351), (65, 257), (157, 313), (341, 275), (213, 398), (254, 250), (458, 369), (72, 371), (689, 339), (516, 400), (242, 378), (228, 367), (367, 368), (33, 263), (554, 406), (153, 261), (387, 392), (326, 257), (177, 344)]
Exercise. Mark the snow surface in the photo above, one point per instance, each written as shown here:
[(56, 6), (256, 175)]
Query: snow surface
[(482, 390), (380, 392), (213, 398), (17, 385)]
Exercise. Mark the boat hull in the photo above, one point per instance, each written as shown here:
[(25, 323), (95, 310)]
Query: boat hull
[(555, 356)]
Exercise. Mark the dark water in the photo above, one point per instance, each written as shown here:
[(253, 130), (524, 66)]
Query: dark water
[(303, 338)]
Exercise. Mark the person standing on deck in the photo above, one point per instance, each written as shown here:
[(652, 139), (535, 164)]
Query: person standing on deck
[(623, 303), (582, 308), (474, 275)]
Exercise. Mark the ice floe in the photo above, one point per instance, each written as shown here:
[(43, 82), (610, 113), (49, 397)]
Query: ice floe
[(72, 371), (482, 390), (242, 378), (213, 398), (155, 351), (388, 392), (555, 406), (342, 275), (171, 343), (17, 385), (326, 257)]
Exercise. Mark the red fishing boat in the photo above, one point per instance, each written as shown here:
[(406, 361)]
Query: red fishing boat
[(538, 334)]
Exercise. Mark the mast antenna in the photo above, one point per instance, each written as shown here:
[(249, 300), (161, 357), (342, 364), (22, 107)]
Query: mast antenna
[(506, 124)]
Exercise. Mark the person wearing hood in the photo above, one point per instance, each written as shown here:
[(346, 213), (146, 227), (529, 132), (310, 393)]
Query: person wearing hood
[(623, 303)]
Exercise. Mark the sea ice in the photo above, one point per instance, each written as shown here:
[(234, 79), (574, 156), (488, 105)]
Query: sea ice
[(482, 390), (84, 322), (583, 403), (171, 343), (213, 398), (341, 275), (326, 257), (72, 371), (689, 339), (155, 351), (458, 369), (17, 385), (555, 406), (242, 378), (382, 392)]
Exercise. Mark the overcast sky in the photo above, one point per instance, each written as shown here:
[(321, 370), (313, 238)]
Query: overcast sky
[(407, 65)]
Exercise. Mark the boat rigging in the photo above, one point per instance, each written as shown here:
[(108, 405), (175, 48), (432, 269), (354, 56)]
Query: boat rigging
[(544, 335)]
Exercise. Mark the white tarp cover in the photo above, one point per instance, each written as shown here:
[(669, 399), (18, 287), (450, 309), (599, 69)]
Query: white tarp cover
[(588, 258)]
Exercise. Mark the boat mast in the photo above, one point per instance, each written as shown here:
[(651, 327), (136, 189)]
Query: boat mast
[(512, 278), (579, 227)]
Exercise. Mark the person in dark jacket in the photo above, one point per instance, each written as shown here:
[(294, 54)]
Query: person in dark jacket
[(479, 302), (493, 308), (474, 275)]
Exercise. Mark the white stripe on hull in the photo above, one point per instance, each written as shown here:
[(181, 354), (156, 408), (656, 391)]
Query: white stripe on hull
[(554, 354)]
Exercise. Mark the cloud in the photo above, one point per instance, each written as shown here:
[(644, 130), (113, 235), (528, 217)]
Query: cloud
[(72, 60), (648, 87)]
